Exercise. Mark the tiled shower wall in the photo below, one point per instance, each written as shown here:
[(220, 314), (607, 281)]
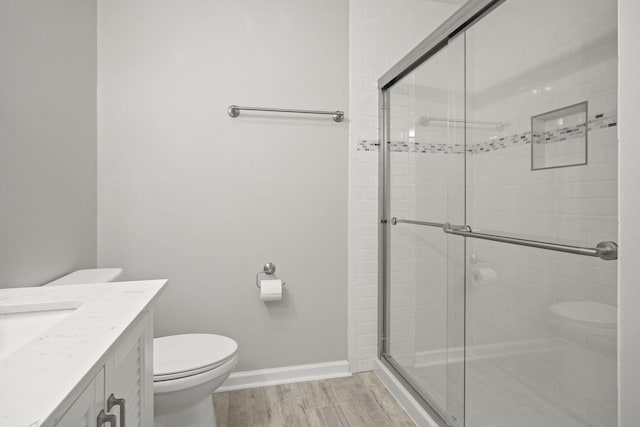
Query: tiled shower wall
[(513, 317), (510, 321), (381, 33)]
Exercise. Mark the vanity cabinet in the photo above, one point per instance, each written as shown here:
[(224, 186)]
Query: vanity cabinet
[(84, 411), (122, 389)]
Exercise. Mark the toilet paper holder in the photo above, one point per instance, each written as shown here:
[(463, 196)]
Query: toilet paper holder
[(268, 269)]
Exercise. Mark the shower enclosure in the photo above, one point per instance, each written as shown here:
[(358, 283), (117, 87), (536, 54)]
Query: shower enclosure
[(498, 162)]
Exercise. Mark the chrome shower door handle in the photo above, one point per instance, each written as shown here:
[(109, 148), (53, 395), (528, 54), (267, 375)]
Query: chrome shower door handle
[(114, 401), (104, 418), (607, 251)]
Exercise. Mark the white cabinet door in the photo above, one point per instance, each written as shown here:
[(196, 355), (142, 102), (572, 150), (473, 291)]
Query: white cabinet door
[(85, 409), (129, 375)]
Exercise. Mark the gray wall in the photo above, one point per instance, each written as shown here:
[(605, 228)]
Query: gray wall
[(47, 139), (189, 194)]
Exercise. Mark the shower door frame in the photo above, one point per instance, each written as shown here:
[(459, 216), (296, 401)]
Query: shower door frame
[(463, 18)]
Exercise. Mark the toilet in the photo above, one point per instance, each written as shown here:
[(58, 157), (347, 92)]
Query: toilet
[(587, 330), (588, 324), (187, 368)]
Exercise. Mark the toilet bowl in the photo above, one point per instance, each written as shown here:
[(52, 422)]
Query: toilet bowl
[(588, 324), (187, 368), (587, 332)]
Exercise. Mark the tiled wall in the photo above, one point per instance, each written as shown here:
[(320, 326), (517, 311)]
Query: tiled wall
[(574, 367), (510, 323), (381, 33), (574, 205), (597, 121)]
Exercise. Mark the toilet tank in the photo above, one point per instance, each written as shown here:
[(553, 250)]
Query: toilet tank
[(91, 275)]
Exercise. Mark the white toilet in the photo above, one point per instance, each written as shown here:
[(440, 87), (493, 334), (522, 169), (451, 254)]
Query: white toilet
[(187, 368), (588, 324), (588, 331)]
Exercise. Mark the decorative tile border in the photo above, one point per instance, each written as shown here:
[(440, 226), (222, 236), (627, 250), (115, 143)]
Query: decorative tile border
[(560, 135), (596, 122), (364, 145)]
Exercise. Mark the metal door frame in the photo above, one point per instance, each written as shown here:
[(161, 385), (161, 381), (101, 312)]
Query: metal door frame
[(462, 19)]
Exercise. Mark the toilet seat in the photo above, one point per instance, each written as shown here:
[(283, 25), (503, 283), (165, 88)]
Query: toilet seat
[(185, 355), (190, 384)]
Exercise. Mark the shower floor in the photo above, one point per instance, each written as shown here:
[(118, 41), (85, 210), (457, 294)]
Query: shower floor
[(496, 399), (357, 401)]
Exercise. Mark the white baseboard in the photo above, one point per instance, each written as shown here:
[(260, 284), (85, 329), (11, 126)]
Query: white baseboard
[(285, 375), (410, 405)]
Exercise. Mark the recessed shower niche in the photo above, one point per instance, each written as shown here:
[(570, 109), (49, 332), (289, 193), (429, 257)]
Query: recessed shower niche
[(559, 137)]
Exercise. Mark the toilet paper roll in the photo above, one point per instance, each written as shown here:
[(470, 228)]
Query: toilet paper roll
[(483, 276), (270, 290)]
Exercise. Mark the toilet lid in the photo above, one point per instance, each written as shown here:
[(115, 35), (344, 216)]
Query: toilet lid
[(176, 356), (591, 313)]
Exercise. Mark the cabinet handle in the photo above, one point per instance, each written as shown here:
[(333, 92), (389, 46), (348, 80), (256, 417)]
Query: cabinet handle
[(104, 418), (114, 401)]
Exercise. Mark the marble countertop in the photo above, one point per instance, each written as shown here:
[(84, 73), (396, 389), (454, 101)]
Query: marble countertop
[(41, 375)]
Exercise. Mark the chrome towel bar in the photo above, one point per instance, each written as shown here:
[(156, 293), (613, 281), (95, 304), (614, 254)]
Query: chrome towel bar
[(395, 221), (234, 111), (604, 250)]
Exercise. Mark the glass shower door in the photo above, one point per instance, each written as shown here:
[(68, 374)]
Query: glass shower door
[(423, 337), (542, 165)]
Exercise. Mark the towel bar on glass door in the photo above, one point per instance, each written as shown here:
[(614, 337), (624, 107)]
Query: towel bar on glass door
[(395, 221), (604, 250), (234, 111)]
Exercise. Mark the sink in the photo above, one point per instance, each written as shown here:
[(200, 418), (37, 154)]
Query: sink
[(21, 324)]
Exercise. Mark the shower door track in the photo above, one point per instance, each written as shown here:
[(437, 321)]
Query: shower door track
[(404, 378)]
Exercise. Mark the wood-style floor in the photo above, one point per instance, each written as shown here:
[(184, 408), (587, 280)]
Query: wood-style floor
[(357, 401)]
